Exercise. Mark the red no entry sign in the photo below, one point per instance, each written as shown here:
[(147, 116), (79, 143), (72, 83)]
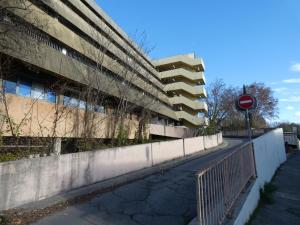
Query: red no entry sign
[(246, 102)]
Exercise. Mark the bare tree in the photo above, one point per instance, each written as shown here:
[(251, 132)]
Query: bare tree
[(123, 74), (128, 75), (222, 110)]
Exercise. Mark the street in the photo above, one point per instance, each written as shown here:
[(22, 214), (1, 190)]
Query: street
[(165, 198)]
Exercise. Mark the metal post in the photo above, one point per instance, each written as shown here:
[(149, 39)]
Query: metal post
[(57, 146), (248, 125)]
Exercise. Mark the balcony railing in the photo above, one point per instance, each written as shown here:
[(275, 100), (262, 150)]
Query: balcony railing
[(192, 90), (219, 185), (181, 72), (195, 105)]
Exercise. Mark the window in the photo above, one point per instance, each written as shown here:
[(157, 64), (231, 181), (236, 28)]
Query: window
[(82, 104), (51, 96), (201, 115), (10, 87), (74, 102), (38, 91), (100, 109), (24, 88), (29, 89), (66, 101)]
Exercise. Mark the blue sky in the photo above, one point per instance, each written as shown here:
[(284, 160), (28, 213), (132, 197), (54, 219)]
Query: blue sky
[(241, 41)]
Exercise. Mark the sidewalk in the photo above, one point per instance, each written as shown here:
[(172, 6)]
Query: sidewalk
[(286, 206)]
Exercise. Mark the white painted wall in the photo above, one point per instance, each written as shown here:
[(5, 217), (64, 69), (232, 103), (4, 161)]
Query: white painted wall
[(35, 179), (193, 145), (167, 150), (269, 154), (210, 141), (30, 180), (220, 138)]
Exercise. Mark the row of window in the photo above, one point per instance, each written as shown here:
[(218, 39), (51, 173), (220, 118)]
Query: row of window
[(29, 89), (38, 91), (69, 52), (77, 103)]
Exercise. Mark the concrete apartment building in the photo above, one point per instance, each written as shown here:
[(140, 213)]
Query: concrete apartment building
[(59, 49), (184, 82)]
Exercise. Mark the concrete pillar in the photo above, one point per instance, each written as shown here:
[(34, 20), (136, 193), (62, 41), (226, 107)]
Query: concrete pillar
[(57, 146), (60, 99)]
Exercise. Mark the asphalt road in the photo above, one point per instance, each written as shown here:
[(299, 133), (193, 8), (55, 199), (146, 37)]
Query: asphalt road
[(167, 198)]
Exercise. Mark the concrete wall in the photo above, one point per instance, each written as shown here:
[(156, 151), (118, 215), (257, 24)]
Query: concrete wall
[(220, 138), (210, 141), (30, 180), (269, 154), (192, 145), (40, 119), (171, 131), (164, 151)]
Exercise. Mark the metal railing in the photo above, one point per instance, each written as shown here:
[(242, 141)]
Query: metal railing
[(291, 138), (219, 185)]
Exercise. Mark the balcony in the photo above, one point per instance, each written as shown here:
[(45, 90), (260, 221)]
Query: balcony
[(188, 60), (195, 105), (169, 131), (197, 77), (196, 121), (196, 91)]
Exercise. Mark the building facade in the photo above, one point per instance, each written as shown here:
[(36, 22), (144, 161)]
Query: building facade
[(65, 63), (183, 77)]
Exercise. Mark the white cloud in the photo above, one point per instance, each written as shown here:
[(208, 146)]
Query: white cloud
[(291, 99), (292, 81), (280, 90), (295, 67), (290, 108), (297, 114)]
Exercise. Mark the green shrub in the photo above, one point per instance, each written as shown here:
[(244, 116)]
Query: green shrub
[(3, 220)]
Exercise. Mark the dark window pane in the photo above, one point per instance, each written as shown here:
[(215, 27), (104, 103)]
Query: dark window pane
[(51, 97), (24, 88), (82, 104), (100, 109), (10, 87), (74, 102), (66, 101), (37, 91)]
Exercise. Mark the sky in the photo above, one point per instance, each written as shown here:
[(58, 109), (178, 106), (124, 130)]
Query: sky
[(240, 41)]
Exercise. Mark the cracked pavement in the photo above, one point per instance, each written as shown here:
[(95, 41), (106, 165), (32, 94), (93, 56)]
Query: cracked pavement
[(166, 198), (286, 206)]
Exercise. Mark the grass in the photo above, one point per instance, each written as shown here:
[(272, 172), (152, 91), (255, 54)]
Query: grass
[(266, 194), (266, 198)]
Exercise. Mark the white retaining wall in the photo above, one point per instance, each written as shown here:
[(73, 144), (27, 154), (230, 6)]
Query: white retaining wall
[(168, 150), (220, 138), (269, 154), (30, 180), (193, 145), (210, 141)]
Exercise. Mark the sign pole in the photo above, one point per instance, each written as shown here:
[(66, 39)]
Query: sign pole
[(245, 103), (248, 125)]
